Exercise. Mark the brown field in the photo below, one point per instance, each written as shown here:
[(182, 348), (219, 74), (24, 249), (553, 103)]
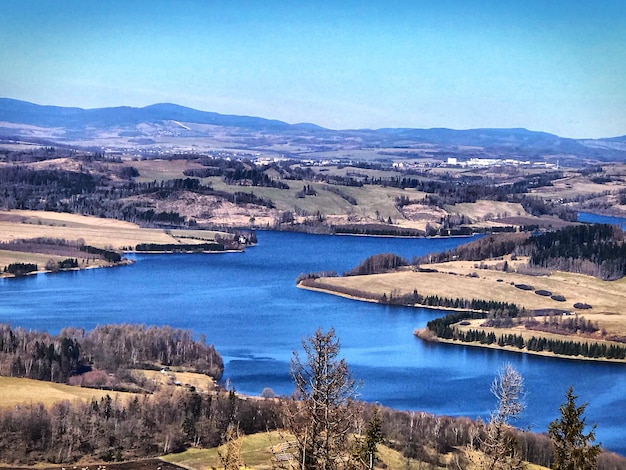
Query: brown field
[(488, 210), (199, 381), (96, 231), (16, 391), (103, 233), (607, 298)]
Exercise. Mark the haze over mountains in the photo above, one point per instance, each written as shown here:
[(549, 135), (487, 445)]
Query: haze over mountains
[(170, 127)]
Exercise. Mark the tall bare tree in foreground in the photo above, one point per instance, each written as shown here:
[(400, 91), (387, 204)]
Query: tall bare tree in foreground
[(320, 414), (499, 447)]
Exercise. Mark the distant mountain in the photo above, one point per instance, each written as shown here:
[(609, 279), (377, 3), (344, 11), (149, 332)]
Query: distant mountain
[(23, 112), (125, 127)]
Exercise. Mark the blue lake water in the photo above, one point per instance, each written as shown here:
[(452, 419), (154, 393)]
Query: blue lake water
[(247, 304), (601, 219)]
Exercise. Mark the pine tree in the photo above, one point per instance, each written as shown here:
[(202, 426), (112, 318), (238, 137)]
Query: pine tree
[(365, 449), (573, 450)]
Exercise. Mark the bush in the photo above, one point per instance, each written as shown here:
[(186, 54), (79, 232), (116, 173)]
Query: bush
[(524, 287), (544, 293)]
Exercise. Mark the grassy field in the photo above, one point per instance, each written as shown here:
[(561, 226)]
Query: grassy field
[(256, 454), (464, 279), (94, 231), (200, 381), (102, 233), (16, 391)]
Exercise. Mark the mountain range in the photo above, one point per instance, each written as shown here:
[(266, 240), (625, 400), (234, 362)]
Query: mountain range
[(171, 126)]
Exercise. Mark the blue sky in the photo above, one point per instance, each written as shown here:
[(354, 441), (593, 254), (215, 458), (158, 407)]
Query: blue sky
[(551, 65)]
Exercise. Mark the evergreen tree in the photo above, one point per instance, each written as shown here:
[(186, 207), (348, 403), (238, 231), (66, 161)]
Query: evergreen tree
[(365, 449), (573, 450)]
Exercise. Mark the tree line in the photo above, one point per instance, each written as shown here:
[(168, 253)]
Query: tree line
[(111, 348), (594, 249), (444, 328), (332, 429)]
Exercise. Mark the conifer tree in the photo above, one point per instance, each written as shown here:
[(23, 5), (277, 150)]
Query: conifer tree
[(573, 449)]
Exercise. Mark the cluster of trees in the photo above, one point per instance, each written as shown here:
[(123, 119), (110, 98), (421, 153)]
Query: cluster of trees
[(595, 249), (563, 325), (331, 428), (115, 429), (376, 264), (379, 230), (241, 172), (342, 194), (179, 248), (441, 327), (56, 247), (20, 269), (490, 246), (112, 348)]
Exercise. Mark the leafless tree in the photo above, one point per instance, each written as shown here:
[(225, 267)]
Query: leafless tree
[(499, 450), (320, 414)]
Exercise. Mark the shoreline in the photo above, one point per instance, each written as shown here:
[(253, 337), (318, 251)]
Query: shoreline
[(427, 335), (124, 262)]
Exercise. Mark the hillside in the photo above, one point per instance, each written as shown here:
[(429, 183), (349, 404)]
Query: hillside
[(171, 126)]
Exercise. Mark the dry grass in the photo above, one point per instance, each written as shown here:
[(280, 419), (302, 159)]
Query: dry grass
[(103, 233), (17, 391), (575, 185), (94, 231), (255, 451), (488, 210), (199, 381), (608, 298)]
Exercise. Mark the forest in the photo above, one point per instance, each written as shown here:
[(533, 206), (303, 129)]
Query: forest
[(594, 249), (172, 419), (112, 349)]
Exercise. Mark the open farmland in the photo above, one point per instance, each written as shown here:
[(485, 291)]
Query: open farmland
[(103, 233), (464, 279), (17, 391)]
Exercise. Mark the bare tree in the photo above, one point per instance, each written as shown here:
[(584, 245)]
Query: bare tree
[(320, 414), (230, 454), (499, 446)]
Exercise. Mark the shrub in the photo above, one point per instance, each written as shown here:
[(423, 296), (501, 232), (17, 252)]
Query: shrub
[(544, 293), (524, 287)]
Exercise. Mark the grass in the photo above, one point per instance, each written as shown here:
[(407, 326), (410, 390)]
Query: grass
[(200, 381), (18, 391), (608, 298), (255, 451), (103, 233), (256, 454)]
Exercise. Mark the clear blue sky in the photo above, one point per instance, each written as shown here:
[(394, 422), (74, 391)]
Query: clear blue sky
[(552, 65)]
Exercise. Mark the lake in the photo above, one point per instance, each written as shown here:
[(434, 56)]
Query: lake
[(248, 305)]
